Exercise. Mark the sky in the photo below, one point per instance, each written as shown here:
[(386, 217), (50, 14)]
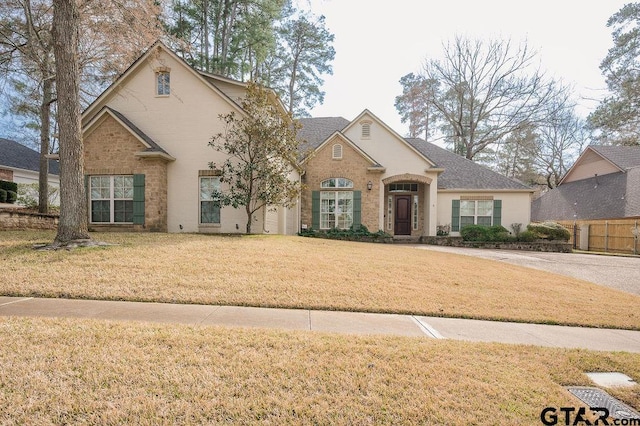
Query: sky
[(377, 43)]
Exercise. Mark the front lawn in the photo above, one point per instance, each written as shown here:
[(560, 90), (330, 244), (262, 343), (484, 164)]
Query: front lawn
[(295, 272), (64, 371)]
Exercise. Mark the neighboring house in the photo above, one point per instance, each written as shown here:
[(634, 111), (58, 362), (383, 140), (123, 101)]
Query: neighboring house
[(147, 164), (604, 183), (21, 164), (363, 172), (147, 154)]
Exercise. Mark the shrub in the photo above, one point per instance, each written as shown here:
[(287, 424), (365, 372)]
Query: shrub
[(353, 233), (475, 233), (28, 195), (526, 236), (8, 186), (3, 196), (12, 196), (498, 233), (485, 233), (549, 231)]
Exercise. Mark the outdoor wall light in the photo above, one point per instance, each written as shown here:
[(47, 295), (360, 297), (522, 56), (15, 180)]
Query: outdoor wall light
[(369, 185)]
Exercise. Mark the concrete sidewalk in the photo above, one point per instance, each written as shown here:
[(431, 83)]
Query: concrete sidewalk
[(329, 321)]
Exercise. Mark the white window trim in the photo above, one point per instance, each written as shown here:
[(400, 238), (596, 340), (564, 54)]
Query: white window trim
[(167, 84), (336, 196), (475, 212), (200, 201), (112, 199), (338, 183)]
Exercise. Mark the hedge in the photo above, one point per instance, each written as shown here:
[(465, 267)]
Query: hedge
[(3, 196), (8, 186)]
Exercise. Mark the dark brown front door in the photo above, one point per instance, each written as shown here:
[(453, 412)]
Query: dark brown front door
[(403, 215)]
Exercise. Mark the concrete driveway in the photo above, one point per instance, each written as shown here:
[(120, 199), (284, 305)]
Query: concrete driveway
[(621, 273)]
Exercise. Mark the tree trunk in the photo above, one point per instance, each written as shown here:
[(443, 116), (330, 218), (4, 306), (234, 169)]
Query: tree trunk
[(45, 114), (249, 217), (73, 203)]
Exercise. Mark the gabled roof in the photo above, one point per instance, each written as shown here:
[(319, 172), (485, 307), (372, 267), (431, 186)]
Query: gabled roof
[(459, 173), (621, 158), (314, 131), (463, 174), (611, 196), (624, 157), (207, 79), (18, 156), (339, 135), (366, 112), (152, 149)]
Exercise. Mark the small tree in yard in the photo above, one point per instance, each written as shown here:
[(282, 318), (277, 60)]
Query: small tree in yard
[(262, 153)]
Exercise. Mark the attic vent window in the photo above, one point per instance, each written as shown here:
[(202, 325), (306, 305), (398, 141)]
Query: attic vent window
[(163, 83), (366, 130), (337, 152)]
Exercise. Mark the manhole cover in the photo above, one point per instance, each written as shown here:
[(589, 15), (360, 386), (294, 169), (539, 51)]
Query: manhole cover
[(595, 397)]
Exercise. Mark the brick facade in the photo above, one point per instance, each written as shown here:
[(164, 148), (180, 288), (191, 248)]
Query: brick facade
[(6, 175), (352, 166), (110, 150)]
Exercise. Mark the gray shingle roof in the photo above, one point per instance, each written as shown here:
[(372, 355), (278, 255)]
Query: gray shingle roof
[(610, 196), (624, 157), (153, 146), (460, 173), (314, 131), (15, 155)]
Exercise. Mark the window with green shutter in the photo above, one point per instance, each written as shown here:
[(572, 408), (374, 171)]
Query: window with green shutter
[(475, 212), (111, 198)]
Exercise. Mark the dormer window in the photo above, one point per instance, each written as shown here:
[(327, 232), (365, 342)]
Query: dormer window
[(366, 130), (337, 152), (163, 83)]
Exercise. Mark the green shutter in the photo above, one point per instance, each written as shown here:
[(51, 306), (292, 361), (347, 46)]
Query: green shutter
[(497, 212), (315, 210), (357, 209), (138, 199), (455, 215)]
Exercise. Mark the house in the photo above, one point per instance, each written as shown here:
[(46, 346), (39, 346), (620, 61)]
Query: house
[(147, 155), (363, 172), (147, 164), (603, 183), (21, 164)]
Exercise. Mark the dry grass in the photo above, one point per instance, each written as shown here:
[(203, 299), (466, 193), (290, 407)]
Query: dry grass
[(297, 272), (90, 372)]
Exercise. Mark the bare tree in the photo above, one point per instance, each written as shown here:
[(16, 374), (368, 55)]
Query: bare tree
[(561, 137), (73, 203), (113, 34), (485, 91)]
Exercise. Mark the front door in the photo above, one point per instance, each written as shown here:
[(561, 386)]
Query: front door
[(403, 215)]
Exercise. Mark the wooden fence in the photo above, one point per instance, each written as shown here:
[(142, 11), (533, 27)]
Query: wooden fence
[(610, 236)]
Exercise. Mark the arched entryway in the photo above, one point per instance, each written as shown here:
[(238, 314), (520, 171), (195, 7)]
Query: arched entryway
[(406, 201)]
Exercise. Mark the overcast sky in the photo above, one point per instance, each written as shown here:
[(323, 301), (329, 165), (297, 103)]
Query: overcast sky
[(378, 42)]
